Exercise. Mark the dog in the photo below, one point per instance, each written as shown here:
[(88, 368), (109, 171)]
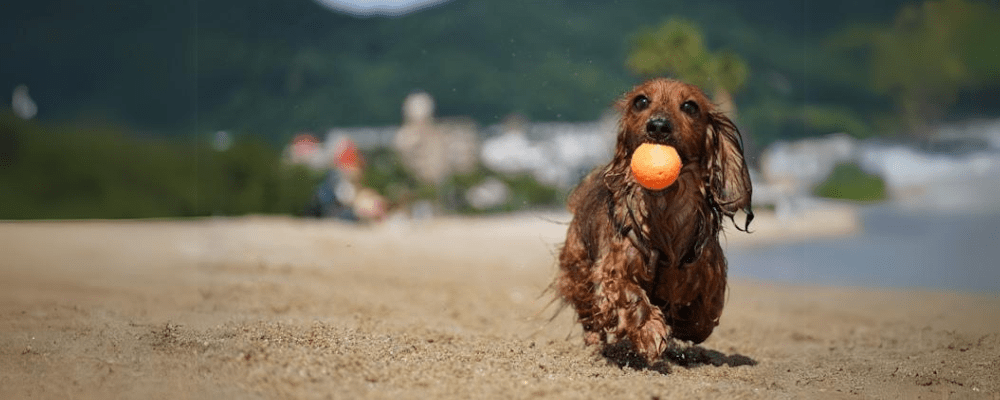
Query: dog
[(647, 265)]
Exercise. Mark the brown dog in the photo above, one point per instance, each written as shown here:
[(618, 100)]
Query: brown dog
[(647, 265)]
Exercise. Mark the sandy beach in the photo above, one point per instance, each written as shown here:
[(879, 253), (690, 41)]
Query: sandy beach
[(272, 307)]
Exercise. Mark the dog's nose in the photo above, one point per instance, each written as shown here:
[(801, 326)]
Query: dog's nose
[(659, 128)]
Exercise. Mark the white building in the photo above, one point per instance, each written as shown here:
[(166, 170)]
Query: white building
[(555, 153), (958, 170)]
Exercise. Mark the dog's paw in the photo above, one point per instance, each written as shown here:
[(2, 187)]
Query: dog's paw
[(651, 339), (594, 338)]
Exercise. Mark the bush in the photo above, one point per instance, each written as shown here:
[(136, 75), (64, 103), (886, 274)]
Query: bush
[(386, 174), (850, 182), (60, 172)]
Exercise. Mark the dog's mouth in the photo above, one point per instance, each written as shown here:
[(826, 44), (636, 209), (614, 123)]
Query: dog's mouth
[(667, 142)]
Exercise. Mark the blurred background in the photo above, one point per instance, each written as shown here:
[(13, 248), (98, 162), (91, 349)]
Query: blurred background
[(877, 120)]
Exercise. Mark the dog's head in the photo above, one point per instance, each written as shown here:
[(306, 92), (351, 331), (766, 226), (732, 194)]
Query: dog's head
[(674, 113)]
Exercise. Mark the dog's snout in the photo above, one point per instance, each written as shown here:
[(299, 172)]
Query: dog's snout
[(659, 128)]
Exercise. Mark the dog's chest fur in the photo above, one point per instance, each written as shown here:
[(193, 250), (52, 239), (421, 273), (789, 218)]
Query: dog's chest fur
[(663, 230), (668, 221)]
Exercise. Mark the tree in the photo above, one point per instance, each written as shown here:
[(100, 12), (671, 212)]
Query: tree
[(922, 61), (677, 47)]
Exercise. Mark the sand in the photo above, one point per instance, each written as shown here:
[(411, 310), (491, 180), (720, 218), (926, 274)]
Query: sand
[(268, 307)]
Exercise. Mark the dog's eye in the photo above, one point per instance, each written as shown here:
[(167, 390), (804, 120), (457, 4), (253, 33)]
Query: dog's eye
[(640, 103), (690, 108)]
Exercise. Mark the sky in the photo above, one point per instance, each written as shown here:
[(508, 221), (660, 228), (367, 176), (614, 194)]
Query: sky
[(382, 8)]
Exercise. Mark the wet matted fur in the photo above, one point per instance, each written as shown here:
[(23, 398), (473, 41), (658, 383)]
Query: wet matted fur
[(647, 265)]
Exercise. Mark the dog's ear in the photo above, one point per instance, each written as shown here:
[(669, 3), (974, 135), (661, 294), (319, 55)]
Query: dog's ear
[(729, 179)]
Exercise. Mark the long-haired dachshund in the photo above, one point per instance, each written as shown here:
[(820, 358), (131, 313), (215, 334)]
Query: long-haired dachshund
[(647, 265)]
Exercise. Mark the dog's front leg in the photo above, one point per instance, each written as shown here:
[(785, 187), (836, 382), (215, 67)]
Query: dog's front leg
[(625, 304)]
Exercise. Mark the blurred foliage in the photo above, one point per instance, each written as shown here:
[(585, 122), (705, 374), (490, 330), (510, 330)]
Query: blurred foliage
[(386, 174), (85, 170), (527, 192), (174, 71), (277, 67), (808, 119), (100, 171), (850, 182), (927, 56), (677, 48)]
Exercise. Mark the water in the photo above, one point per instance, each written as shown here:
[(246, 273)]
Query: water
[(896, 249)]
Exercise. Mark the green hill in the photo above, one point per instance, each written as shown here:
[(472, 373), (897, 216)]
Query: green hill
[(275, 67)]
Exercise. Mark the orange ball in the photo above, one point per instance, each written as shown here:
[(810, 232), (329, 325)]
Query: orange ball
[(655, 166)]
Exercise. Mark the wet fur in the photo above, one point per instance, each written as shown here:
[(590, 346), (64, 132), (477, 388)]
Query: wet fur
[(647, 265)]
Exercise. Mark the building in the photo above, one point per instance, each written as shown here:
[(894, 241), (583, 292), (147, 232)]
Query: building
[(431, 149)]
